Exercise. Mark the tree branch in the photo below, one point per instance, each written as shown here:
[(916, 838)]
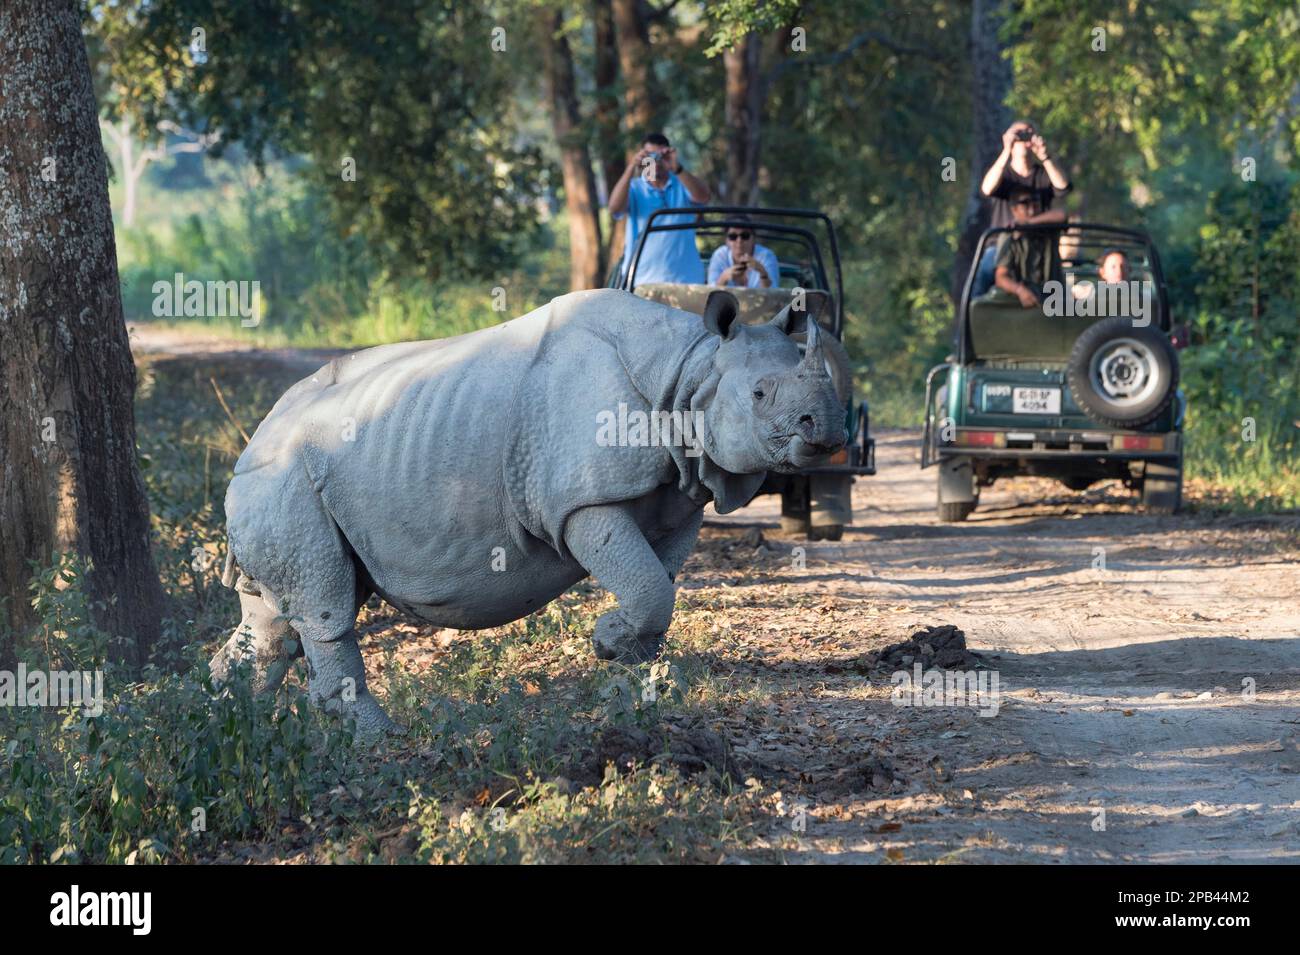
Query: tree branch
[(852, 47)]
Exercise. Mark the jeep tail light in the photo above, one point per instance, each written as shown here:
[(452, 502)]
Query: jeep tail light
[(980, 439), (839, 457), (1139, 442), (1181, 336)]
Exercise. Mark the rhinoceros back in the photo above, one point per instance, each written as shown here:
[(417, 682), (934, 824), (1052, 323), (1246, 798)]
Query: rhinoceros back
[(431, 455)]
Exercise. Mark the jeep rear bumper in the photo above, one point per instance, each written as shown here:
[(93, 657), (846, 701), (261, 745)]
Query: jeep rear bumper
[(1059, 444)]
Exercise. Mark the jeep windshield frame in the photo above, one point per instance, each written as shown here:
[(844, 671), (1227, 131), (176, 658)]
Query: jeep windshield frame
[(715, 220), (1124, 239)]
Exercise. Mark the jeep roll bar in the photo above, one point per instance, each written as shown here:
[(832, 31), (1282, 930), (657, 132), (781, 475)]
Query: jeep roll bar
[(755, 214)]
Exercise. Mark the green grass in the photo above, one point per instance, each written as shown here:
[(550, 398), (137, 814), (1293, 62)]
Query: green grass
[(1240, 473)]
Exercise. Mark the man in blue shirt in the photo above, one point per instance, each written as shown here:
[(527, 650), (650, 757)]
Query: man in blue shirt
[(654, 180)]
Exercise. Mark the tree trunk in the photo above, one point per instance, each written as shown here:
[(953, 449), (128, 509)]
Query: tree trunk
[(69, 481), (641, 101), (991, 82), (586, 269), (610, 147), (744, 115)]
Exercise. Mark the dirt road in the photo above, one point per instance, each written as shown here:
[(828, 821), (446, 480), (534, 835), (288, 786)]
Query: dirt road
[(1162, 689), (1148, 672)]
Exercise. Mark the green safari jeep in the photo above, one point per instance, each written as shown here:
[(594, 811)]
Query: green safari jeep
[(1081, 388)]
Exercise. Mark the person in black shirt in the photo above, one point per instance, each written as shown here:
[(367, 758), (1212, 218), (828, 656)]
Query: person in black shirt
[(1024, 165)]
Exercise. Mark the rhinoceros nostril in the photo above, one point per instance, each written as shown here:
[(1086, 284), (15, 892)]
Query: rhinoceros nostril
[(805, 419)]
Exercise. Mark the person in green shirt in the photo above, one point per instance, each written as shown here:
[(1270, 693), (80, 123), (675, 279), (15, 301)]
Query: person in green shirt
[(1026, 260)]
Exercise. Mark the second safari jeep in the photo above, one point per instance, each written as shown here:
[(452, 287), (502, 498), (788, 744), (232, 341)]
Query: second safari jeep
[(1082, 388)]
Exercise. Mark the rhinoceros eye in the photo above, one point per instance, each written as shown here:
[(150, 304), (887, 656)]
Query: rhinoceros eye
[(758, 393)]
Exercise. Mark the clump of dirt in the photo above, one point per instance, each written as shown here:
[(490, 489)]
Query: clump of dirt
[(878, 773), (942, 647)]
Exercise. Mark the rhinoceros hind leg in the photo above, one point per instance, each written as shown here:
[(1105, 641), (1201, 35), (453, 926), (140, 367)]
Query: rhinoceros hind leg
[(606, 540), (263, 638)]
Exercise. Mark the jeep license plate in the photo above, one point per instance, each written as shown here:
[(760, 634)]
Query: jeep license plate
[(1036, 400)]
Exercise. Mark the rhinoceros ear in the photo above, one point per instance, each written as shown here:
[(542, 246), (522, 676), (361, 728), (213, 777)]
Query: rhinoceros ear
[(793, 321), (720, 311)]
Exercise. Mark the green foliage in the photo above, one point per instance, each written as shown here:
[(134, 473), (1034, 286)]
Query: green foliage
[(319, 286), (407, 94), (65, 636), (1244, 375), (648, 815), (124, 786), (732, 20)]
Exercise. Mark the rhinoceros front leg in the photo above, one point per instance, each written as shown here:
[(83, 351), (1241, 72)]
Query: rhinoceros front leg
[(336, 681), (607, 542), (677, 546)]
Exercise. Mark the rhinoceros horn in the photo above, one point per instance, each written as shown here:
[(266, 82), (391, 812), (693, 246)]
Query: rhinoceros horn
[(814, 359)]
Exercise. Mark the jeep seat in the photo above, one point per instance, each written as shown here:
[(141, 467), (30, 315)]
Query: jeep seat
[(1000, 328), (757, 305)]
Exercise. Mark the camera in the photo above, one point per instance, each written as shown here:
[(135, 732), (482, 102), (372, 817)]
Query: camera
[(1024, 135)]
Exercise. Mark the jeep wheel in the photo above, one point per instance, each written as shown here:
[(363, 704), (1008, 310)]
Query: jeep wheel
[(1122, 376), (955, 513), (1162, 488), (957, 496), (794, 506), (794, 525)]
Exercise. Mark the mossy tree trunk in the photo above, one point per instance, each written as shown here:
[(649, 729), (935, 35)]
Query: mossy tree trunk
[(69, 480), (990, 84)]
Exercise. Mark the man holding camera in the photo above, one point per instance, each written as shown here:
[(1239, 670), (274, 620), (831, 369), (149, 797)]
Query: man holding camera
[(655, 179), (1012, 175), (742, 261)]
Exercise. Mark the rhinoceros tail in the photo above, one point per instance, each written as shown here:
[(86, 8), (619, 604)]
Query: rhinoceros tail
[(228, 574)]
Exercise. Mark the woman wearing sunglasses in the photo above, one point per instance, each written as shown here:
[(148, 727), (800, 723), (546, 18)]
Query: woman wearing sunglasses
[(743, 262)]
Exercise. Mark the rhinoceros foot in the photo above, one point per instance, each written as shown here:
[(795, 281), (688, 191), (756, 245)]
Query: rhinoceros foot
[(616, 639), (371, 722)]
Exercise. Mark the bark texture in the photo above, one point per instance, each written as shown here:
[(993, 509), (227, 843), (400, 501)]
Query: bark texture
[(69, 480), (744, 114)]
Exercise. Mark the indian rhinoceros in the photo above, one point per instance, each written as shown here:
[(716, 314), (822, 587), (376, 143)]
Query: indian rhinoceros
[(471, 480)]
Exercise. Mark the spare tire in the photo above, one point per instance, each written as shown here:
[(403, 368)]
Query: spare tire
[(1122, 375)]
